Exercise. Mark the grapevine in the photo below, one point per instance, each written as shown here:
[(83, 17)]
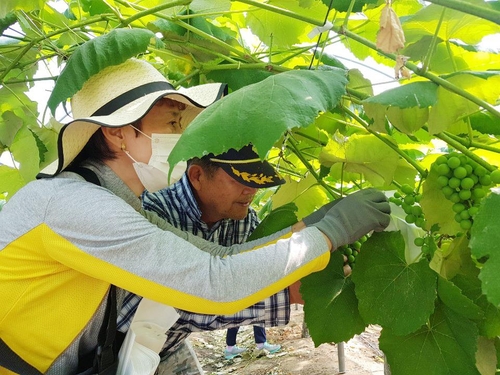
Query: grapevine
[(408, 199), (351, 251)]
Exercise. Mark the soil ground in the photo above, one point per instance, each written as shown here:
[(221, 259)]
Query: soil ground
[(297, 356)]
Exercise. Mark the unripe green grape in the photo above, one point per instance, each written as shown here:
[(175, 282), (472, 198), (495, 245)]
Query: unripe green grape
[(443, 169), (478, 193), (418, 197), (454, 183), (407, 189), (465, 214), (455, 198), (409, 199), (397, 195), (458, 207), (463, 159), (495, 176), (363, 239), (458, 218), (416, 210), (447, 191), (453, 162), (406, 208), (419, 241), (464, 194), (410, 219), (355, 253), (465, 224), (442, 159), (480, 171), (348, 251), (469, 169), (351, 259), (425, 248), (473, 210), (474, 178), (460, 172), (420, 222), (442, 181), (356, 245), (485, 180), (467, 183)]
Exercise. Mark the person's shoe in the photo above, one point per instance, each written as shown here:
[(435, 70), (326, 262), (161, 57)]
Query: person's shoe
[(233, 352), (270, 348)]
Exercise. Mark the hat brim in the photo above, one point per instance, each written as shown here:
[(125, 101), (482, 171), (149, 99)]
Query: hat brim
[(258, 174), (74, 136)]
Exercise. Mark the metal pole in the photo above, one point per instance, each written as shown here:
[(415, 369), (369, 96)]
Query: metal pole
[(341, 354)]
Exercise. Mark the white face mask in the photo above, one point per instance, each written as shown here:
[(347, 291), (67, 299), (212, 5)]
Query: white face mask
[(154, 175)]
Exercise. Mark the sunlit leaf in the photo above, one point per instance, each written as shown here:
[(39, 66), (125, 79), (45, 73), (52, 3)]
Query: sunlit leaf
[(329, 297), (260, 113), (392, 293), (93, 56), (448, 259), (485, 236)]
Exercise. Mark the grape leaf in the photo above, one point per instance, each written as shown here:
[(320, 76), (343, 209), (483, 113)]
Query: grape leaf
[(391, 292), (91, 57), (277, 219), (260, 113), (452, 297), (331, 307), (445, 346), (485, 237)]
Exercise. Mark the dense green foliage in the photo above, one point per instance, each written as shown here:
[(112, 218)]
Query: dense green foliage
[(430, 141)]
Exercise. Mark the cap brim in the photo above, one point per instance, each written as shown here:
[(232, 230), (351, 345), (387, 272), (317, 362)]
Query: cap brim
[(259, 174)]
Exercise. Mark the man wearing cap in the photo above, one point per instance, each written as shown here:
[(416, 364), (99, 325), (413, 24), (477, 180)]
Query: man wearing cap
[(73, 242), (212, 201)]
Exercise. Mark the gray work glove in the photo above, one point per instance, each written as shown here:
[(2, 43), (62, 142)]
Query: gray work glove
[(356, 215), (319, 213)]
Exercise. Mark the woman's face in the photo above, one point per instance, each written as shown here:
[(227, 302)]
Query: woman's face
[(163, 118)]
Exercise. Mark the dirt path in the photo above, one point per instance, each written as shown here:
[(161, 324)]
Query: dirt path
[(298, 355)]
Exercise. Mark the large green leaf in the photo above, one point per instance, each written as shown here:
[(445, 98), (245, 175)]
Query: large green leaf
[(485, 237), (391, 292), (446, 345), (93, 56), (278, 219), (331, 307), (260, 113)]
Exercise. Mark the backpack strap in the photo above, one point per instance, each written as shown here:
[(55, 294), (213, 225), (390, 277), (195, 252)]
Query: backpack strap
[(86, 173)]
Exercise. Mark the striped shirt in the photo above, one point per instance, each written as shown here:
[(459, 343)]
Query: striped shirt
[(178, 206)]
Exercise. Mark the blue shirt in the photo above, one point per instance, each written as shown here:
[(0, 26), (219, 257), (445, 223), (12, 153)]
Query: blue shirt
[(178, 206)]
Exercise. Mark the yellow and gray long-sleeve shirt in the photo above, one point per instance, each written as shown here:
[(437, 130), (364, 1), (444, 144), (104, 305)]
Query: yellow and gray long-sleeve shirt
[(64, 241)]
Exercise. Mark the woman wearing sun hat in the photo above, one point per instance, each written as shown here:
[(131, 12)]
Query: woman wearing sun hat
[(66, 242)]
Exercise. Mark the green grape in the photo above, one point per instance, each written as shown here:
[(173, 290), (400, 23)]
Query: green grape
[(356, 245), (454, 182), (410, 219), (465, 224), (447, 191), (455, 198), (460, 172), (442, 159), (442, 181), (409, 199), (416, 210), (355, 253), (348, 251), (453, 162), (419, 241), (407, 189), (465, 194), (420, 222), (480, 171), (478, 193), (363, 239), (425, 248), (443, 169), (418, 197), (467, 183), (351, 259), (485, 180), (458, 207), (465, 214), (463, 159), (469, 169), (406, 208), (473, 210), (397, 195), (495, 176), (458, 218)]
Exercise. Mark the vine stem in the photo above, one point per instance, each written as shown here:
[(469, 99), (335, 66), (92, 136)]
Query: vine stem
[(365, 125), (488, 13), (292, 145), (473, 144), (464, 150)]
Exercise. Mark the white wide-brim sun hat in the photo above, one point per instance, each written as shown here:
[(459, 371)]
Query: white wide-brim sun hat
[(118, 96)]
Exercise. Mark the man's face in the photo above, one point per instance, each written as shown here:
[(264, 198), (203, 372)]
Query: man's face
[(222, 197)]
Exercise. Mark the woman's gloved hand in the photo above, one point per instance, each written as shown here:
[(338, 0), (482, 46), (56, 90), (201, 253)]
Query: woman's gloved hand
[(354, 216)]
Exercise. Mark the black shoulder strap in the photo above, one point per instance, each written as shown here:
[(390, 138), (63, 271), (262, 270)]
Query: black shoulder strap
[(86, 173), (11, 361)]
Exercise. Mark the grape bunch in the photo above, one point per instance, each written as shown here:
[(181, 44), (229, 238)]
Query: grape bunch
[(464, 182), (408, 199), (352, 250)]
